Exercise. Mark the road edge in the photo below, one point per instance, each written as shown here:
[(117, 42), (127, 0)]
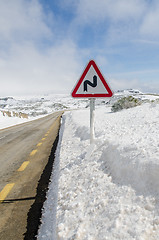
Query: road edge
[(35, 212)]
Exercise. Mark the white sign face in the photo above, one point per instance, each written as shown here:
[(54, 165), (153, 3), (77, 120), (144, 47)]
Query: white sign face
[(92, 83)]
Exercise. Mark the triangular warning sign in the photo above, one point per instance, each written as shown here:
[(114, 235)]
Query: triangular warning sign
[(91, 84)]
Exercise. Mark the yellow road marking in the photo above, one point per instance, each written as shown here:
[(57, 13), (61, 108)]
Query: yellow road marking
[(5, 191), (46, 135), (23, 166), (43, 139), (33, 152), (39, 144)]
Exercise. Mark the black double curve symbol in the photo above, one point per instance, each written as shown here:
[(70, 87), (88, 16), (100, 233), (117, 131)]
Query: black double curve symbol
[(87, 82)]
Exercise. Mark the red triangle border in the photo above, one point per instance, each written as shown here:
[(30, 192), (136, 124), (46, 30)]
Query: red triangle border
[(109, 94)]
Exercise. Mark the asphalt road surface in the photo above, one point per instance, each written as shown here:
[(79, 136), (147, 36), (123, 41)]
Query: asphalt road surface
[(26, 160)]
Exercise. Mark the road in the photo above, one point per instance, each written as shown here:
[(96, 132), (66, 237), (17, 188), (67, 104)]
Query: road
[(26, 159)]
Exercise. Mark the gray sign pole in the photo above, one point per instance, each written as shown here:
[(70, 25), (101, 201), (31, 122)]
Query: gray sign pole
[(92, 85), (92, 115)]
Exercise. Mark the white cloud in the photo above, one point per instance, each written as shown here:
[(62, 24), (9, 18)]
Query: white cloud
[(119, 20), (123, 19), (149, 26), (24, 27), (99, 10), (24, 66), (28, 70), (151, 88), (120, 83), (102, 60), (135, 80), (20, 19), (146, 41)]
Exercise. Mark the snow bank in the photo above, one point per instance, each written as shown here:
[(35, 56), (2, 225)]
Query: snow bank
[(6, 121), (109, 190), (48, 231)]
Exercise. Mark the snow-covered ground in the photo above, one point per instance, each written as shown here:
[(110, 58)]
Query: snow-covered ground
[(6, 121), (16, 109), (107, 190), (110, 189)]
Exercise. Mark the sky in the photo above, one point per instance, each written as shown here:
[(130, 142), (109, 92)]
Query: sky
[(46, 44)]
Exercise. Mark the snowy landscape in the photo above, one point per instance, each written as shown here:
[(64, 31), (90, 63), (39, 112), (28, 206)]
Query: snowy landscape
[(19, 109), (106, 190), (15, 110)]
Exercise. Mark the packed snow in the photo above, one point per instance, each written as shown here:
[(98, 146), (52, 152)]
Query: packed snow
[(109, 189)]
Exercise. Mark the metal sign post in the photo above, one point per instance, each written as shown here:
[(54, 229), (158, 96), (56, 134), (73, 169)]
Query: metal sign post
[(92, 85), (92, 115)]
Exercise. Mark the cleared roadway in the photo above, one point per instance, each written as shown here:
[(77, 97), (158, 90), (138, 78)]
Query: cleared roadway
[(25, 151)]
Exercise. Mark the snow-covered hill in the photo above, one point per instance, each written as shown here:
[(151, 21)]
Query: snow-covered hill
[(14, 110)]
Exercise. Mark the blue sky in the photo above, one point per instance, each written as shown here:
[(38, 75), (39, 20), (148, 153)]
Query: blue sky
[(45, 44)]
